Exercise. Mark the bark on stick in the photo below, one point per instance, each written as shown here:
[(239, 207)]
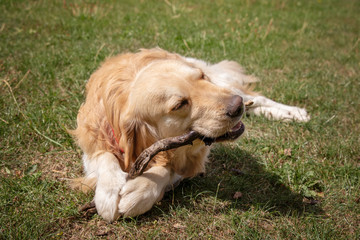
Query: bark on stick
[(163, 145)]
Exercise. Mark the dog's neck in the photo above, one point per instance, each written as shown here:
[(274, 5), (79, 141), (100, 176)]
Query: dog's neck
[(116, 140)]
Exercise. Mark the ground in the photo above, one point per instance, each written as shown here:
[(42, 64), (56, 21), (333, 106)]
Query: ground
[(278, 181)]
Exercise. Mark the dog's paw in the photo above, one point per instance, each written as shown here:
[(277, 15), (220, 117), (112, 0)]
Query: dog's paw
[(138, 196), (291, 114), (107, 195), (299, 114)]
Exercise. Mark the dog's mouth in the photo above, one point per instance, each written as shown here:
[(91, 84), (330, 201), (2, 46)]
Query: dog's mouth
[(174, 142), (233, 134)]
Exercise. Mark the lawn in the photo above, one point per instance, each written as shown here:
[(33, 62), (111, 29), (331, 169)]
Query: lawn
[(279, 181)]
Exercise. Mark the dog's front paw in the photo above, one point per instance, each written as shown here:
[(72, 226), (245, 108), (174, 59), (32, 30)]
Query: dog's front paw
[(138, 196), (107, 196)]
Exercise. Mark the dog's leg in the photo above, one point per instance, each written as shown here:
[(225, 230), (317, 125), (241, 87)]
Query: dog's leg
[(138, 195), (110, 179), (174, 182), (273, 110), (230, 75)]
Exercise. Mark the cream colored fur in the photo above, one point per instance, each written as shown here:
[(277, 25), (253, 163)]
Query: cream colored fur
[(136, 99)]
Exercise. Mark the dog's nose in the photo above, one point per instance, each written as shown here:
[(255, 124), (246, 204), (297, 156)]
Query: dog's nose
[(235, 107)]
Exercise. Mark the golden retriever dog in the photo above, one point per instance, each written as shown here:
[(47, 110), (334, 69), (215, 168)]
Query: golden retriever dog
[(135, 99)]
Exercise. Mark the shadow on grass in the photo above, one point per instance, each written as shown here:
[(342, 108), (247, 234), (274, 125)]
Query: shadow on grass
[(230, 171)]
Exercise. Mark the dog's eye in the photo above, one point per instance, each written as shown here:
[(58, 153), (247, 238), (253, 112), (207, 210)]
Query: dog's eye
[(181, 104), (204, 77)]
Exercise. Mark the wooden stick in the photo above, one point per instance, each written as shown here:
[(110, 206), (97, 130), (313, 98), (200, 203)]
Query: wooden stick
[(88, 209), (87, 206), (163, 145)]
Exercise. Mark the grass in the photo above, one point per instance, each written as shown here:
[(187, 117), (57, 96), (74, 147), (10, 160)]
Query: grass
[(297, 180)]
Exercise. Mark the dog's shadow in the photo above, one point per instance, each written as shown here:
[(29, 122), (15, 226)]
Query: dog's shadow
[(235, 179)]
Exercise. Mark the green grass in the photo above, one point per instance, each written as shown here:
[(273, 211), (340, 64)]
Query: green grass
[(298, 180)]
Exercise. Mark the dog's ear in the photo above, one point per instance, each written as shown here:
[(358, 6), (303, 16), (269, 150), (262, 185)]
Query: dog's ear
[(133, 134), (136, 136)]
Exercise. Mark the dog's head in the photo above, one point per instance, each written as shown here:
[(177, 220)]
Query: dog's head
[(168, 97)]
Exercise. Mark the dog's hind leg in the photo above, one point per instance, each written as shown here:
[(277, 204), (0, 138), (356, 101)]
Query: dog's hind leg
[(274, 110), (230, 75)]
